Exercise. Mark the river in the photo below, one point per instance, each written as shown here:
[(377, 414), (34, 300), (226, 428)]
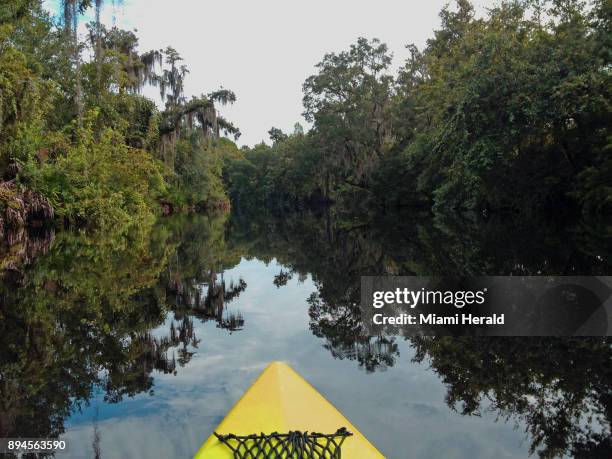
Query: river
[(136, 344)]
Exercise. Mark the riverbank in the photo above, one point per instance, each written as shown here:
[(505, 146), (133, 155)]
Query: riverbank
[(21, 207)]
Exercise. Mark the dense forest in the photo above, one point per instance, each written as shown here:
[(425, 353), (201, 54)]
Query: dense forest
[(506, 112), (77, 139), (510, 111)]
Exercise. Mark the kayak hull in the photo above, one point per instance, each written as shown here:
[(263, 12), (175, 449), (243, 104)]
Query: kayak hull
[(281, 401)]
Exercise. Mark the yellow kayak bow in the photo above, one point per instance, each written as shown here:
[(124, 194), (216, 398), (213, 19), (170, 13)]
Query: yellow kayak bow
[(281, 401)]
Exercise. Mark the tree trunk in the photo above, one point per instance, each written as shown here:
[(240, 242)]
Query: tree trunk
[(77, 63)]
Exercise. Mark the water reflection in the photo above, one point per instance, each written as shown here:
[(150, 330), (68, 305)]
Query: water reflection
[(88, 313), (80, 318), (560, 388), (20, 247), (193, 280)]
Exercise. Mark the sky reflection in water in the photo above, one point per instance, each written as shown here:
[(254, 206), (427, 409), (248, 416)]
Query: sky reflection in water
[(402, 410)]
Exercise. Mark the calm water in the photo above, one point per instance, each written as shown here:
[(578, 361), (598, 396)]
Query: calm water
[(137, 344)]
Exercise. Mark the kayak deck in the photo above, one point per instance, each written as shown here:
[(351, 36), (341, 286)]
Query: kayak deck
[(281, 401)]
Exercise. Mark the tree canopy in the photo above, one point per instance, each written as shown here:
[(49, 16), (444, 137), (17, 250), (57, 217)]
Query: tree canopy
[(509, 111), (77, 136)]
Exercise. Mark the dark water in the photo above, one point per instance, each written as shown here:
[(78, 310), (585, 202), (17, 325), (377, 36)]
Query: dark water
[(136, 344)]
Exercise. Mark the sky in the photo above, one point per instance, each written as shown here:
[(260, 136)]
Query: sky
[(264, 50)]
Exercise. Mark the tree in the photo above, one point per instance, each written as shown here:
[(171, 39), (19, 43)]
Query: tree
[(348, 103), (508, 103), (276, 135), (71, 11)]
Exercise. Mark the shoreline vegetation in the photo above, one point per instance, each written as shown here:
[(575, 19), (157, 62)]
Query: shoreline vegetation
[(465, 160), (80, 145), (508, 112)]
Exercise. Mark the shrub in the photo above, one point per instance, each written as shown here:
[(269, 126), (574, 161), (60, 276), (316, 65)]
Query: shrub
[(102, 182)]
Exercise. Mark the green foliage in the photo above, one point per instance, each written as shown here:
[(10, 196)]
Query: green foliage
[(594, 190), (510, 111), (103, 182), (24, 99), (506, 111), (79, 132), (514, 105), (198, 183), (285, 175), (348, 101)]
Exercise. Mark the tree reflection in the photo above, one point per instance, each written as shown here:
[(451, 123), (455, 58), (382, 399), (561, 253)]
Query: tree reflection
[(20, 247), (194, 280), (64, 320), (337, 250), (345, 335), (147, 353), (107, 311), (81, 317), (561, 388)]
